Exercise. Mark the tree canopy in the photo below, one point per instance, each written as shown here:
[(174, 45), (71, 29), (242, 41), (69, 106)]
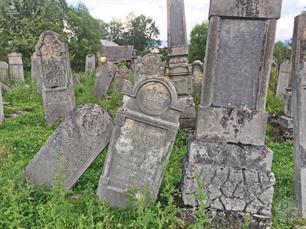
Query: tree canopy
[(281, 52), (198, 38)]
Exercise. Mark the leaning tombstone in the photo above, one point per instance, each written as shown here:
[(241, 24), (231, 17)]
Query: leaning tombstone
[(16, 67), (4, 77), (283, 79), (143, 137), (90, 65), (36, 71), (104, 77), (228, 153), (1, 107), (299, 110), (197, 76), (72, 148), (121, 76), (150, 65), (57, 79)]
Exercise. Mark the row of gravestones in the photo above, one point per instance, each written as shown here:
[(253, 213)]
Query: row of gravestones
[(12, 72)]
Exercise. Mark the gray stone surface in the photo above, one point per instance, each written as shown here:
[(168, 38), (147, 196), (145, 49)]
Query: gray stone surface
[(4, 76), (145, 130), (104, 77), (283, 79), (72, 148), (57, 79), (1, 107), (121, 76), (16, 68), (116, 53), (150, 65), (237, 177), (36, 71), (90, 64), (197, 76)]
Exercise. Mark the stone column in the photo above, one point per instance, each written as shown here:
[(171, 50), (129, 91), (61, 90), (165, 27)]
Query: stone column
[(283, 79), (90, 63), (16, 67), (299, 109), (179, 71), (229, 154), (1, 107)]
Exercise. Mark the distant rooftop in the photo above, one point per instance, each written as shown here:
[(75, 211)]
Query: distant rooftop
[(107, 43)]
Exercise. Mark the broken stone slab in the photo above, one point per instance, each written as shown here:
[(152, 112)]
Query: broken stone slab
[(4, 76), (144, 134), (104, 77), (36, 71), (16, 67), (90, 65), (197, 76), (121, 76), (72, 148)]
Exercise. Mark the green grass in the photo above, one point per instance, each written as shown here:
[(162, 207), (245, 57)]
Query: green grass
[(25, 131)]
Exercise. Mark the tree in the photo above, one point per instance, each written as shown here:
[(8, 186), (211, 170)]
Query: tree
[(198, 38), (281, 52)]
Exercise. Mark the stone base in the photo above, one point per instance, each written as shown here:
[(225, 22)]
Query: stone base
[(237, 178), (285, 122), (188, 117)]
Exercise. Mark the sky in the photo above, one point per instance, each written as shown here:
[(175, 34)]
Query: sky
[(196, 12)]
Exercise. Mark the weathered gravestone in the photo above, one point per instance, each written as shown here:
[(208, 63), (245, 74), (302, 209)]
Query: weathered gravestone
[(178, 64), (104, 77), (4, 77), (283, 79), (299, 109), (36, 71), (72, 148), (229, 154), (150, 65), (16, 67), (197, 76), (121, 76), (1, 107), (57, 79), (145, 130), (90, 65)]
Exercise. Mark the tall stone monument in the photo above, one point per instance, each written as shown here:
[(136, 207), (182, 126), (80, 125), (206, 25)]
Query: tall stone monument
[(283, 79), (104, 77), (228, 153), (179, 71), (57, 79), (299, 109), (1, 107), (16, 67), (4, 76), (144, 134), (90, 65), (72, 148), (36, 71)]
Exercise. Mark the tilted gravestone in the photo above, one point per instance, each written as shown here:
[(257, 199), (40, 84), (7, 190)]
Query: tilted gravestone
[(57, 79), (121, 76), (197, 76), (104, 77), (283, 79), (299, 109), (229, 154), (1, 107), (4, 77), (90, 65), (72, 148), (178, 64), (143, 137), (36, 71), (150, 65), (16, 67)]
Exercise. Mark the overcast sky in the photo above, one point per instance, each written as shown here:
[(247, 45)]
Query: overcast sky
[(196, 12)]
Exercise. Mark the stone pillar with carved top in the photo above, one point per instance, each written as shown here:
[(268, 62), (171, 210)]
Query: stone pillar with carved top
[(228, 153), (179, 71)]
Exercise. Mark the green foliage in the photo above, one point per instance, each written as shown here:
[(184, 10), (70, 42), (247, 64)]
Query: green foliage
[(198, 38), (281, 52)]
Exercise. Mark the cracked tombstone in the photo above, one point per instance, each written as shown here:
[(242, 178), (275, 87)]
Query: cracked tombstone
[(57, 79), (36, 71), (197, 76), (104, 77), (4, 77), (72, 148), (121, 76), (90, 65), (150, 65), (228, 153), (16, 68), (299, 110), (283, 79), (1, 107), (142, 140)]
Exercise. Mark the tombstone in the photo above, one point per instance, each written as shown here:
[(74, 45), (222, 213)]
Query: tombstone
[(36, 71), (16, 67), (57, 79), (4, 77), (197, 76), (122, 75), (72, 148), (228, 153), (1, 107), (299, 110), (178, 64), (104, 77), (283, 79), (90, 63), (143, 137), (150, 65)]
